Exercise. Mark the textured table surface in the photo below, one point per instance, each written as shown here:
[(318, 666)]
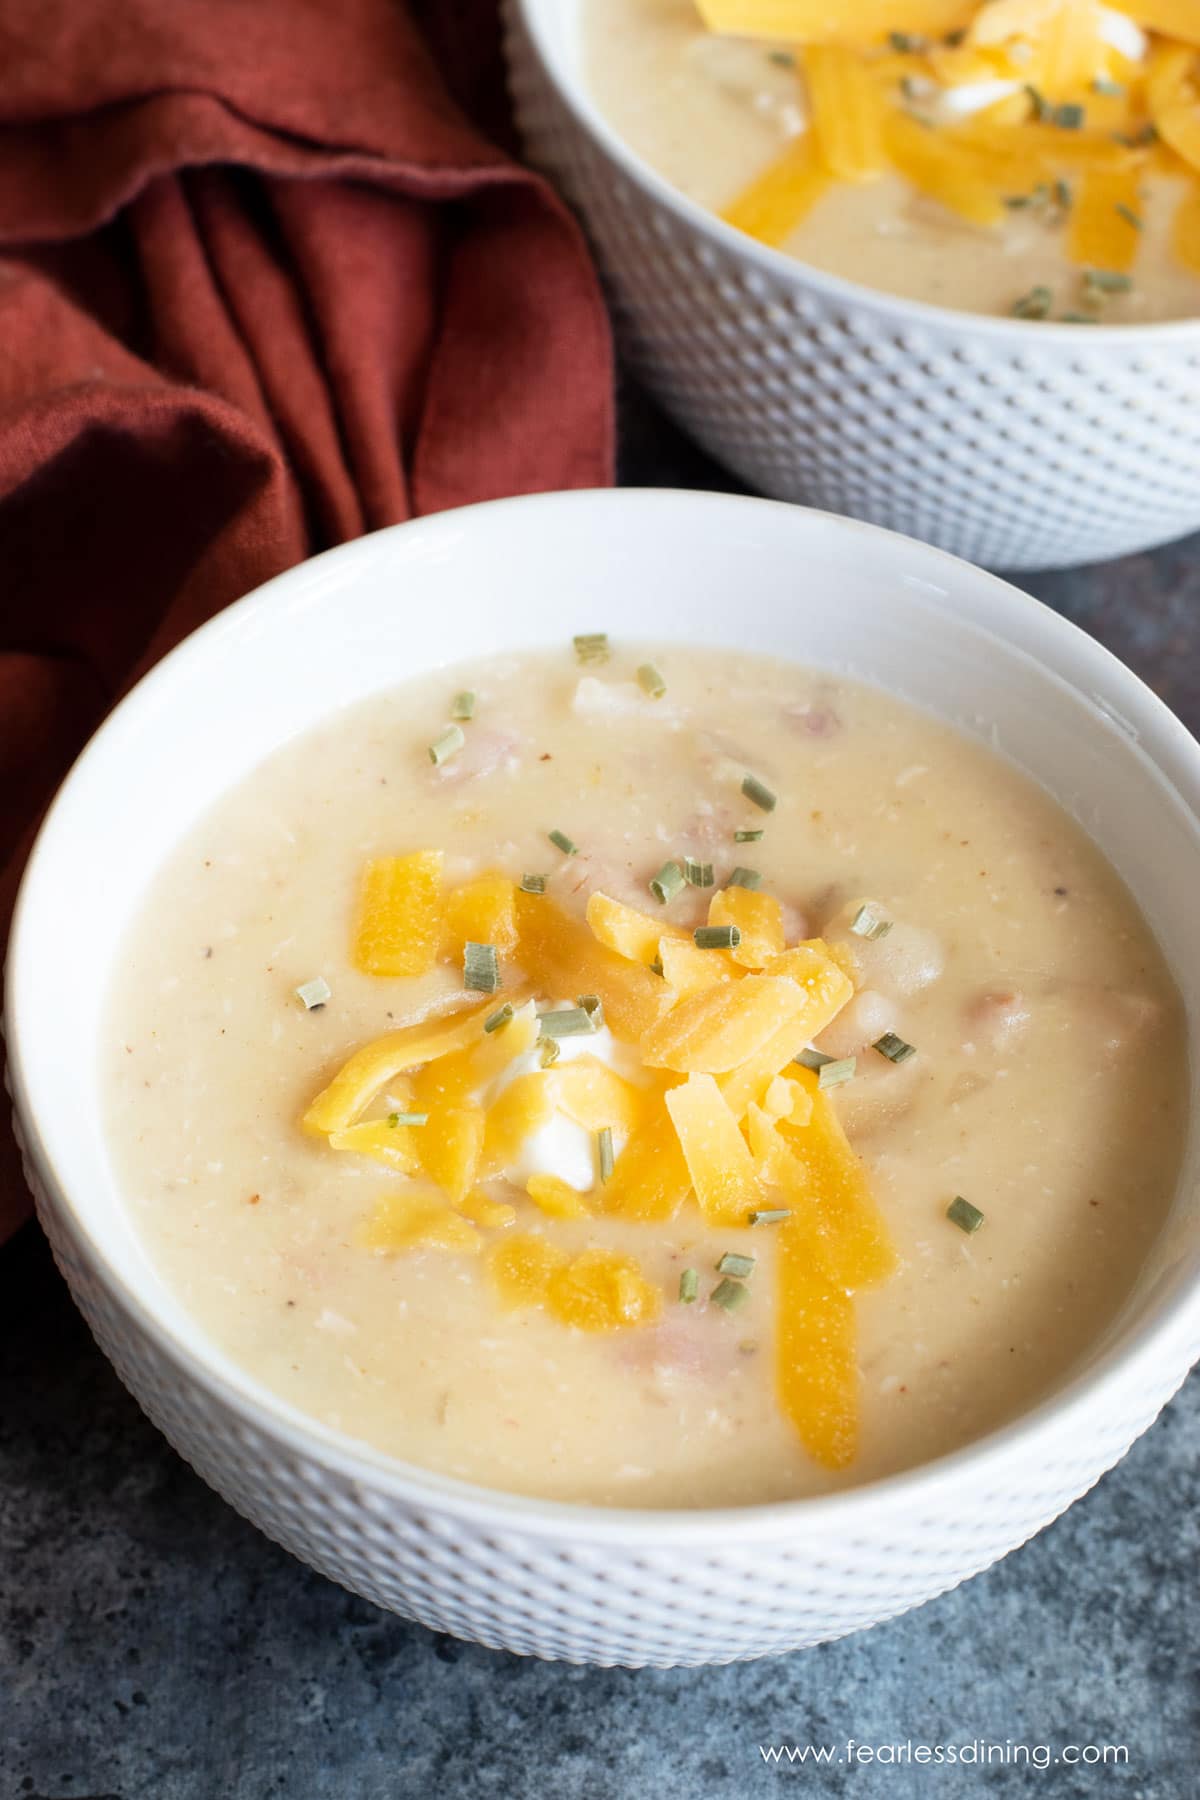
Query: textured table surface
[(154, 1647)]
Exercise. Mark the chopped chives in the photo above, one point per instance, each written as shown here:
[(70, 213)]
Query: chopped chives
[(1077, 318), (562, 842), (734, 1264), (812, 1059), (650, 680), (408, 1118), (697, 874), (593, 1007), (656, 967), (960, 1212), (447, 745), (867, 923), (1041, 106), (314, 993), (729, 1295), (1069, 116), (463, 705), (569, 1021), (1035, 304), (758, 792), (1104, 84), (745, 878), (717, 937), (838, 1070), (533, 884), (689, 1286), (548, 1051), (667, 883), (749, 835), (481, 968), (500, 1018), (769, 1215), (1107, 281), (1136, 140), (604, 1151), (894, 1048), (907, 43), (591, 646), (1062, 194), (1127, 213)]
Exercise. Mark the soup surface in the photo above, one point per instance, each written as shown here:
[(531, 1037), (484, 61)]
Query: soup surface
[(961, 187), (998, 1037)]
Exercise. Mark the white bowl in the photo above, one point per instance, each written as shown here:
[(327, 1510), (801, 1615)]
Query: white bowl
[(559, 1580), (1017, 444)]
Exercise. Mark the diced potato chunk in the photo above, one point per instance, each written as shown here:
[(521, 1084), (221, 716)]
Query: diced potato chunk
[(557, 1198), (450, 1146), (715, 1030), (523, 1108), (561, 957), (481, 912), (400, 914), (630, 933), (602, 1291), (759, 918), (370, 1069), (650, 1179), (413, 1218), (718, 1160), (593, 1095)]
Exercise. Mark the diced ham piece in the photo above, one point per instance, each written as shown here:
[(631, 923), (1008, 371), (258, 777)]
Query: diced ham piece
[(484, 753)]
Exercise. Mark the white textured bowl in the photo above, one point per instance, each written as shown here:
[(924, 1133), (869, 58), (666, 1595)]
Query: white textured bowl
[(559, 1580), (1017, 444)]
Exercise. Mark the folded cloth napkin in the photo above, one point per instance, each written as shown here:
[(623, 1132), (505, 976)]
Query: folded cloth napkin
[(262, 287)]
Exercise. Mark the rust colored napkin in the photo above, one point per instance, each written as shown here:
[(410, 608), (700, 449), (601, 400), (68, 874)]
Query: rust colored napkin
[(262, 287)]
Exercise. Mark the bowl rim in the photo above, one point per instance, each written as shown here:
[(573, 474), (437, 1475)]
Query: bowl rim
[(993, 1455), (770, 261)]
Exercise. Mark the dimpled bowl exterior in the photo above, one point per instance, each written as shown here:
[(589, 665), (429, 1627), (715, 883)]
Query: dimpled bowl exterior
[(582, 1583), (1014, 445)]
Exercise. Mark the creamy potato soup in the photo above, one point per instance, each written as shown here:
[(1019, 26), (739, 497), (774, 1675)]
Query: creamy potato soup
[(1033, 157), (645, 1076)]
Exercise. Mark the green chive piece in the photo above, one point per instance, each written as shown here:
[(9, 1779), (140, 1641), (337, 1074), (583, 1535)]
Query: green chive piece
[(1074, 318), (1127, 213), (697, 874), (689, 1286), (869, 923), (1137, 140), (481, 968), (314, 993), (960, 1212), (1107, 281), (1069, 116), (815, 1060), (592, 1005), (562, 842), (753, 836), (907, 43), (1035, 304), (733, 1264), (463, 705), (500, 1018), (717, 937), (833, 1073), (570, 1021), (730, 1295), (1041, 106), (533, 884), (447, 745), (548, 1051), (650, 680), (745, 878), (1104, 84), (758, 792), (769, 1215), (591, 646), (667, 883), (894, 1048), (1062, 194), (604, 1152), (408, 1118), (656, 967)]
